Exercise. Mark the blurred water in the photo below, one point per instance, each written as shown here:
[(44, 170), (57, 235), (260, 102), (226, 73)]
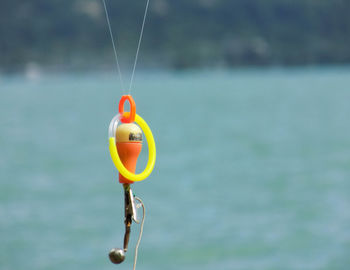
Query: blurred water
[(252, 172)]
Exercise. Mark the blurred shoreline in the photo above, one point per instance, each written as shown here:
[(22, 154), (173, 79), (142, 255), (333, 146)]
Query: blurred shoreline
[(33, 72), (182, 34)]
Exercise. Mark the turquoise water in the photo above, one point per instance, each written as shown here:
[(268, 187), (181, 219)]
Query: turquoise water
[(253, 171)]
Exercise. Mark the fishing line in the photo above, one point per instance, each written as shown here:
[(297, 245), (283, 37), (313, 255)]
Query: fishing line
[(141, 230), (138, 46), (137, 50), (114, 47)]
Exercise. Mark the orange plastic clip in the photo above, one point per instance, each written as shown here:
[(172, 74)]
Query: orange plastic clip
[(127, 117)]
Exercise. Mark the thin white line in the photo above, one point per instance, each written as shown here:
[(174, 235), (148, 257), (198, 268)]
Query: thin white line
[(138, 47), (141, 231), (114, 46)]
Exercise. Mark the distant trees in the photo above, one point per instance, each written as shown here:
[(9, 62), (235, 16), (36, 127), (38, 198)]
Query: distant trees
[(178, 34)]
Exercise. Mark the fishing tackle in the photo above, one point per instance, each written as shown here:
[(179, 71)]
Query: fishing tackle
[(125, 145)]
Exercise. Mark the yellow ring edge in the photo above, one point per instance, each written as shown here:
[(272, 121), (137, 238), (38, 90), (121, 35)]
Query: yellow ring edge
[(151, 154)]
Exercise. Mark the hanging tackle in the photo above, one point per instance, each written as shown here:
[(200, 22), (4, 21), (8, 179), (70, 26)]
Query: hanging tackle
[(125, 145)]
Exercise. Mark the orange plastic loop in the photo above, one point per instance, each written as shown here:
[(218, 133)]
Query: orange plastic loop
[(127, 117)]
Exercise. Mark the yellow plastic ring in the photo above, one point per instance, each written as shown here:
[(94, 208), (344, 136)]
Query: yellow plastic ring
[(151, 154)]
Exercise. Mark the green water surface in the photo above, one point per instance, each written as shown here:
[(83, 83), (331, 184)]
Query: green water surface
[(253, 171)]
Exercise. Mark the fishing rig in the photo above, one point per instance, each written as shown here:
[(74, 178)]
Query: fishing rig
[(125, 145)]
